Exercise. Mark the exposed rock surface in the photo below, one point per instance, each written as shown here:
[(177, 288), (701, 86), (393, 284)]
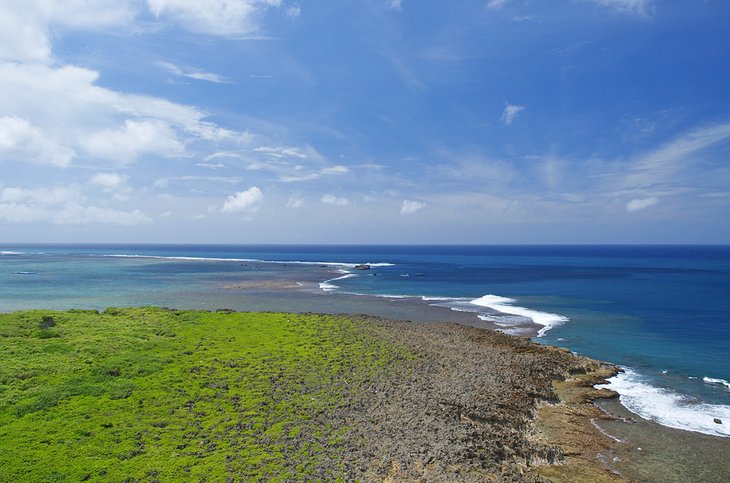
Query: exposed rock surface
[(464, 409)]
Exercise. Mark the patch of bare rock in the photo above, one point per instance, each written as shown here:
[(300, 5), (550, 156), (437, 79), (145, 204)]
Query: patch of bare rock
[(475, 405)]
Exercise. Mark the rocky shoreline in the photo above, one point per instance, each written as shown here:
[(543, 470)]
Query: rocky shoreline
[(476, 405)]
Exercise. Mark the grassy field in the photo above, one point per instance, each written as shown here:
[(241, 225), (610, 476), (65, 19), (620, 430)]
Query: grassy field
[(153, 394)]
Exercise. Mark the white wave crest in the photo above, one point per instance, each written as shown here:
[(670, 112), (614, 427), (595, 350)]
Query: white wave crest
[(328, 286), (247, 260), (442, 299), (504, 305), (8, 252), (669, 408), (716, 382)]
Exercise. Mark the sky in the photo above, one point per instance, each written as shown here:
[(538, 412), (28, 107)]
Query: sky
[(365, 121)]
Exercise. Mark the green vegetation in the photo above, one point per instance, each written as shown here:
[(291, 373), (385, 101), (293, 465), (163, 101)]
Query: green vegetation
[(152, 394)]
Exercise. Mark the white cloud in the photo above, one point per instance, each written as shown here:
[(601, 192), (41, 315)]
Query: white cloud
[(61, 206), (85, 215), (395, 4), (409, 206), (496, 4), (510, 113), (312, 175), (634, 7), (211, 165), (333, 200), (134, 139), (227, 18), (640, 204), (40, 197), (109, 181), (21, 141), (243, 201), (663, 164), (22, 34), (338, 169), (295, 203), (282, 152), (24, 24), (65, 103), (192, 73)]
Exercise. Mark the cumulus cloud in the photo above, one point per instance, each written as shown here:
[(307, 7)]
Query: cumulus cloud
[(134, 139), (109, 181), (21, 141), (640, 204), (334, 200), (510, 113), (243, 201), (24, 24), (61, 206), (45, 104), (192, 73), (409, 207), (295, 203), (229, 18)]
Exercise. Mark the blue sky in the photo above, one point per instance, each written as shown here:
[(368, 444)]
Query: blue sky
[(365, 121)]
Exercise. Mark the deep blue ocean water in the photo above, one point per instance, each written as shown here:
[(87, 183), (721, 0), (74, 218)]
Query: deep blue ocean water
[(661, 312)]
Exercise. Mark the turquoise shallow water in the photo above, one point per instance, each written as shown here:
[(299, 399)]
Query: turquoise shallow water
[(661, 312)]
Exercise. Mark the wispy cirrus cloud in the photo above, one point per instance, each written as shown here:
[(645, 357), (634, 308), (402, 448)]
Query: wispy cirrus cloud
[(285, 152), (329, 199), (680, 154), (309, 175), (192, 73), (633, 7)]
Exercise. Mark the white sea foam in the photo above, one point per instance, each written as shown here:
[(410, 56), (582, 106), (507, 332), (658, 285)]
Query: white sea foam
[(246, 260), (328, 286), (504, 305), (8, 252), (443, 299), (669, 408), (716, 382)]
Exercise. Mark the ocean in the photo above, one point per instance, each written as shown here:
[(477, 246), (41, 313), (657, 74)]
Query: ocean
[(660, 312)]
